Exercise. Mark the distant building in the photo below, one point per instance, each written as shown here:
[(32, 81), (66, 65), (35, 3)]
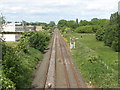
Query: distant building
[(7, 29), (38, 28), (13, 31)]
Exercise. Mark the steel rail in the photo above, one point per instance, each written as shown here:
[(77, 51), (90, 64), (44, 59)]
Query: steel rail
[(49, 62), (65, 70), (70, 58)]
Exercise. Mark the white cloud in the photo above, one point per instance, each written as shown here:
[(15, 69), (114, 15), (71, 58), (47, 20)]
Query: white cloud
[(103, 5), (58, 8)]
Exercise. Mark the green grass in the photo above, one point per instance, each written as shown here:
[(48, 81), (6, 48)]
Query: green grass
[(98, 63), (12, 44), (106, 53)]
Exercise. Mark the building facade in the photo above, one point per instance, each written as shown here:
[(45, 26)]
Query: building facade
[(13, 31)]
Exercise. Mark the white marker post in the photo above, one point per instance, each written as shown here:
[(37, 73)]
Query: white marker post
[(74, 44)]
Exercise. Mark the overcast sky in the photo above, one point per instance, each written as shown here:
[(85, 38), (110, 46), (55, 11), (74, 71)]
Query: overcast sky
[(54, 10)]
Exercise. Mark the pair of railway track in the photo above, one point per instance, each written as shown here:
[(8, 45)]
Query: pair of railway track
[(71, 76)]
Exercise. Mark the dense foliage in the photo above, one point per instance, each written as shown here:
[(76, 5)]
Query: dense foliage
[(19, 62), (51, 24), (39, 40), (61, 24), (100, 34), (87, 29), (106, 30), (110, 33), (83, 26)]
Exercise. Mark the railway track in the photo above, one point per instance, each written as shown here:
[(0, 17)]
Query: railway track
[(59, 70), (71, 77)]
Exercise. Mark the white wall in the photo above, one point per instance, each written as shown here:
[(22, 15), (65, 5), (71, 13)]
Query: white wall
[(9, 37), (9, 27)]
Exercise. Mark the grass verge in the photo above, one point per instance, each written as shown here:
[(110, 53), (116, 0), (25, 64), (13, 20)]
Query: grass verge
[(98, 63)]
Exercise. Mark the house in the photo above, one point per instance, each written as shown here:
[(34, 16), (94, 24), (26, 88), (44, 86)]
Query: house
[(30, 28)]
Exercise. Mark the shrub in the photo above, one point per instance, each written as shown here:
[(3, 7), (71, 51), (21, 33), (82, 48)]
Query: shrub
[(39, 40), (93, 58), (11, 64), (95, 28), (84, 29), (19, 62), (100, 34), (110, 35), (7, 83)]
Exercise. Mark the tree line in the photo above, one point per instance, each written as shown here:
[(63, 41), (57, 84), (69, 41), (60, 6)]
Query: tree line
[(106, 30)]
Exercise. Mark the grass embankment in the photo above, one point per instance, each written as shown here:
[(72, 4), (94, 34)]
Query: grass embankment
[(28, 61), (98, 63)]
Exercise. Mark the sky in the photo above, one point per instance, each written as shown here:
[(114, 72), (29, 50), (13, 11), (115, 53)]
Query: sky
[(55, 10)]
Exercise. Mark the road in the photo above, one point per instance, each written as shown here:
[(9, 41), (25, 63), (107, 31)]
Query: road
[(58, 69)]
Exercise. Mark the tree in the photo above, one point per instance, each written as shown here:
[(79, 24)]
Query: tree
[(100, 34), (84, 29), (111, 34), (77, 20), (62, 23), (72, 24), (51, 24), (2, 22), (113, 18), (95, 21), (39, 40), (84, 23)]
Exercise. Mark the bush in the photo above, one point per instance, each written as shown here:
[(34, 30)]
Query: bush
[(95, 28), (7, 83), (93, 58), (110, 34), (19, 62), (115, 45), (11, 64), (39, 40), (84, 29), (100, 34), (24, 42), (18, 66), (88, 29)]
